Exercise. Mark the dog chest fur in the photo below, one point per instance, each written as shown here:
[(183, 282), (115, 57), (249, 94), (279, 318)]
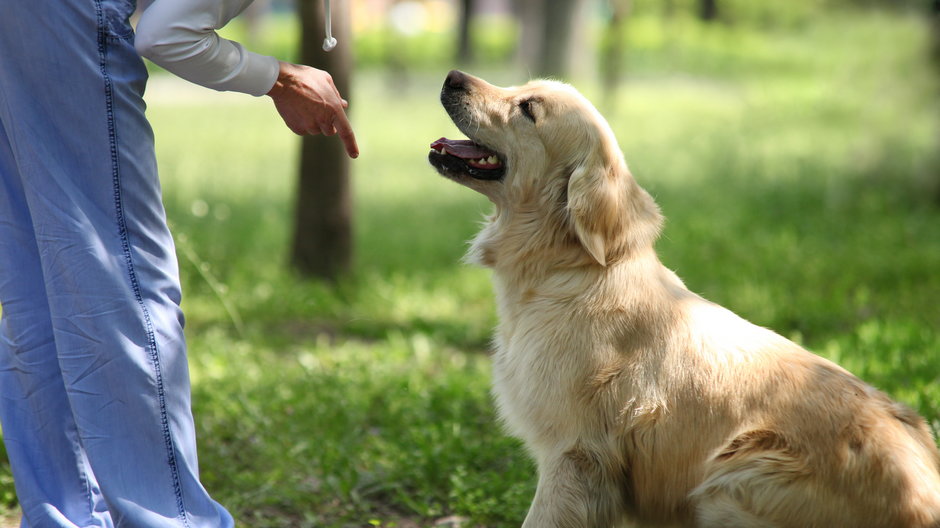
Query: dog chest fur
[(665, 391)]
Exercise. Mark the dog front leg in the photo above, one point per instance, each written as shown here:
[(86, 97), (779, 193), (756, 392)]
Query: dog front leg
[(572, 492)]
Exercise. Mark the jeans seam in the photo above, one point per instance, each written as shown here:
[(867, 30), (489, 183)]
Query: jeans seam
[(83, 476), (103, 38)]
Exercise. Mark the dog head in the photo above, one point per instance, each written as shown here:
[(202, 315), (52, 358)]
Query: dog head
[(548, 160)]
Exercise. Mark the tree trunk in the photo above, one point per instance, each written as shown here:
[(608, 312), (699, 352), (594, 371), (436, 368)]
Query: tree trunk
[(935, 52), (935, 32), (554, 38), (254, 16), (322, 244), (528, 13), (613, 52), (464, 38), (708, 10), (558, 21)]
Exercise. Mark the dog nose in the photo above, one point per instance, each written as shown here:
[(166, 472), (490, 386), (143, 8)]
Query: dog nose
[(456, 80)]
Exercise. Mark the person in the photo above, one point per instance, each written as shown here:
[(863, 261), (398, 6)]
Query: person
[(94, 384)]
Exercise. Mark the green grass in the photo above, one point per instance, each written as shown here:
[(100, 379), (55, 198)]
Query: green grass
[(798, 170)]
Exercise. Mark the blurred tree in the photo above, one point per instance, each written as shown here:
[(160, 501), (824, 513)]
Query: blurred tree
[(464, 38), (322, 245), (708, 10), (548, 28), (935, 52), (613, 52), (254, 18), (935, 32)]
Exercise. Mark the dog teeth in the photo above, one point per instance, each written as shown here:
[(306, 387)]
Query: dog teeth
[(485, 163)]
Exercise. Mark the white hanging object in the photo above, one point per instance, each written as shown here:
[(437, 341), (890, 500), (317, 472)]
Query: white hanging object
[(329, 42)]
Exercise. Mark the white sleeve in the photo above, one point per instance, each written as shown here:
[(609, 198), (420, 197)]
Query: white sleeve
[(180, 36)]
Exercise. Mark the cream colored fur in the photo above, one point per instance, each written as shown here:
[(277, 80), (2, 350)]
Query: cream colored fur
[(642, 403)]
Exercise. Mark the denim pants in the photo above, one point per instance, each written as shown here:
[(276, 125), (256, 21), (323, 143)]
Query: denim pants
[(94, 384)]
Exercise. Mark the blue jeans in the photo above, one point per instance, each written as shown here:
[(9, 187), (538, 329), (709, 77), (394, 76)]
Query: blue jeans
[(94, 383)]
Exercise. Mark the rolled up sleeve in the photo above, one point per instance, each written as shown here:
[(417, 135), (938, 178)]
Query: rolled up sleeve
[(181, 37)]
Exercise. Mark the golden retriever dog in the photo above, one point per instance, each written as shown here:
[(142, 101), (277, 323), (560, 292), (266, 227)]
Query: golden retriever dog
[(641, 402)]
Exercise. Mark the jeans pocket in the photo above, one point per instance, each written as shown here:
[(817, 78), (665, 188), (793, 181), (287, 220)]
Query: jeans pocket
[(117, 17)]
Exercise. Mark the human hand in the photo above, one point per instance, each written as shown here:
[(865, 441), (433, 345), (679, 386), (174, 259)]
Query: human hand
[(309, 103)]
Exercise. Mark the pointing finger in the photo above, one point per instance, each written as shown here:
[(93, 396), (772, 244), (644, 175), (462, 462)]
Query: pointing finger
[(346, 134)]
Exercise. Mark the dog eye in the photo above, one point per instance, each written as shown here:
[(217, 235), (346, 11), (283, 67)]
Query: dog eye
[(526, 107)]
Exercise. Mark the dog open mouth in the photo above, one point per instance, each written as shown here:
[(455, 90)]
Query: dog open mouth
[(452, 157)]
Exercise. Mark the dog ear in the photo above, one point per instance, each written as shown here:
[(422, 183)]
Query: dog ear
[(595, 206), (611, 214)]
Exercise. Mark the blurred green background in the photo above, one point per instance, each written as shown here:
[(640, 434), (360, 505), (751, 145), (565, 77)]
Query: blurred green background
[(793, 146)]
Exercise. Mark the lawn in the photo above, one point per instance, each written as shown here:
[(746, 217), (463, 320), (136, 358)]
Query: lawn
[(798, 169)]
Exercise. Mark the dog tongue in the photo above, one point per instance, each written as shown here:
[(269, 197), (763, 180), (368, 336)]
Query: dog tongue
[(462, 148)]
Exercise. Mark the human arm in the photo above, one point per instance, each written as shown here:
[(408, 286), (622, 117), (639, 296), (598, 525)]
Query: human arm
[(181, 36)]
